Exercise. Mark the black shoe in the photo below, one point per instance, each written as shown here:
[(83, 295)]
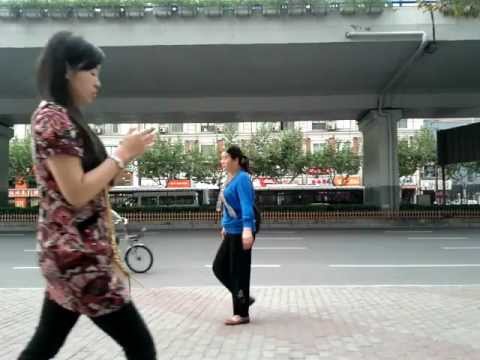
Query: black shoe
[(251, 301)]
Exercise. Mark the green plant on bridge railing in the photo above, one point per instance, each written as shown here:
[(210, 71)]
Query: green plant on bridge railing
[(35, 4), (360, 5), (190, 3), (456, 8), (13, 4), (241, 2), (133, 3), (84, 3)]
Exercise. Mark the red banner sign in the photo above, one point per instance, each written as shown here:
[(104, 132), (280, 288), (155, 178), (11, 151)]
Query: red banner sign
[(179, 184), (26, 193)]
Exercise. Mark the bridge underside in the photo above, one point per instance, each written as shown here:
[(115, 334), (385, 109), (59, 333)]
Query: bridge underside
[(261, 82)]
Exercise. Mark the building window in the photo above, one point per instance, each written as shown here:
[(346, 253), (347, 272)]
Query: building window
[(115, 128), (319, 125), (175, 128), (429, 171), (233, 127), (208, 128), (318, 147), (99, 129), (191, 145), (403, 124), (344, 124), (207, 149), (287, 125), (341, 144), (110, 149), (107, 129)]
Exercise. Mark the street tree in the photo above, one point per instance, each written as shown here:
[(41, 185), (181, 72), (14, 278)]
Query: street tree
[(20, 161), (165, 160), (337, 159)]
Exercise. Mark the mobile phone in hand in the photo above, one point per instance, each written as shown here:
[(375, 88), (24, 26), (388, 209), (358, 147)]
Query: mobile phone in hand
[(148, 131)]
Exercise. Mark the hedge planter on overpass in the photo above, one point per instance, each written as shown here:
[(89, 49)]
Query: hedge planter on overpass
[(114, 9)]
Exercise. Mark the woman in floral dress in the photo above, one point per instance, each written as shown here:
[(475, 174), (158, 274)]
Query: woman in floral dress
[(73, 171)]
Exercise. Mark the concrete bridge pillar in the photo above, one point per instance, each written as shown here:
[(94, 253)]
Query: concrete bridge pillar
[(380, 162)]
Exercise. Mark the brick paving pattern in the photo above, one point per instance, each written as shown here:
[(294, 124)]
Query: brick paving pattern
[(308, 323)]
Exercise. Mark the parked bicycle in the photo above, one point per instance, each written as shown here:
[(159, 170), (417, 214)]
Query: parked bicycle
[(138, 257)]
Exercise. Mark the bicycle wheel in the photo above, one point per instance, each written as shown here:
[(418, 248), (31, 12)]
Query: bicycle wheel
[(139, 258)]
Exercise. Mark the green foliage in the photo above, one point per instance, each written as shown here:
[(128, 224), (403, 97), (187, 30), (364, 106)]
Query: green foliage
[(289, 156), (165, 160), (407, 160), (133, 3), (84, 3), (455, 8), (340, 160), (460, 172), (421, 151), (34, 4), (230, 136), (202, 166), (189, 3), (261, 151), (20, 160), (469, 7)]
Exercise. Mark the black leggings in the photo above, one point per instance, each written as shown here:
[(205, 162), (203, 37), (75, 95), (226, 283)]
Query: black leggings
[(125, 326), (232, 267)]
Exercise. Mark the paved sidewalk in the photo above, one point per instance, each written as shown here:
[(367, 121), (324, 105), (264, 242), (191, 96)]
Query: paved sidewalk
[(288, 323)]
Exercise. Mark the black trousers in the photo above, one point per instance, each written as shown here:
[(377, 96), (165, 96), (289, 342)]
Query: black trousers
[(232, 266), (125, 326)]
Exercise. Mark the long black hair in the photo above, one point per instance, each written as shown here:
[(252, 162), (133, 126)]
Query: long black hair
[(66, 51), (236, 153)]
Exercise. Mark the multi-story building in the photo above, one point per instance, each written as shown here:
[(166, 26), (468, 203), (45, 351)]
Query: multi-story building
[(208, 136), (317, 135)]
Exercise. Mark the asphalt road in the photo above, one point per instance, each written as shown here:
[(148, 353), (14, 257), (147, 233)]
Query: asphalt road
[(289, 258)]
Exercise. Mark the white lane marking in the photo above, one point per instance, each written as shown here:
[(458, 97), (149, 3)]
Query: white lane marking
[(407, 231), (257, 266), (461, 248), (25, 267), (439, 238), (403, 265), (23, 288), (279, 232), (279, 248), (31, 250), (6, 234), (354, 286), (280, 238)]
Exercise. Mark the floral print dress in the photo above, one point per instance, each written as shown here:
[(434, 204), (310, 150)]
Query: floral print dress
[(76, 256)]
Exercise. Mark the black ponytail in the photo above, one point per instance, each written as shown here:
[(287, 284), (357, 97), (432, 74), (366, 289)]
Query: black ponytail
[(245, 163)]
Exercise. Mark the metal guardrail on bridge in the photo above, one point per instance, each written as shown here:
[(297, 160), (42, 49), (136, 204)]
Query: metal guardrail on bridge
[(117, 9), (271, 216)]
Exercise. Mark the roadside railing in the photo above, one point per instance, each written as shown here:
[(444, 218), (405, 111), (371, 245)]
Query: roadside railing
[(268, 215)]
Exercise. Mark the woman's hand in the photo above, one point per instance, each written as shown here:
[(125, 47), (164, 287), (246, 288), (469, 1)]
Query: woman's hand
[(79, 187), (247, 239), (134, 144)]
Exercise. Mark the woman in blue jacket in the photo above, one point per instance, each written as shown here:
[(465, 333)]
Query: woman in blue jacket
[(233, 260)]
